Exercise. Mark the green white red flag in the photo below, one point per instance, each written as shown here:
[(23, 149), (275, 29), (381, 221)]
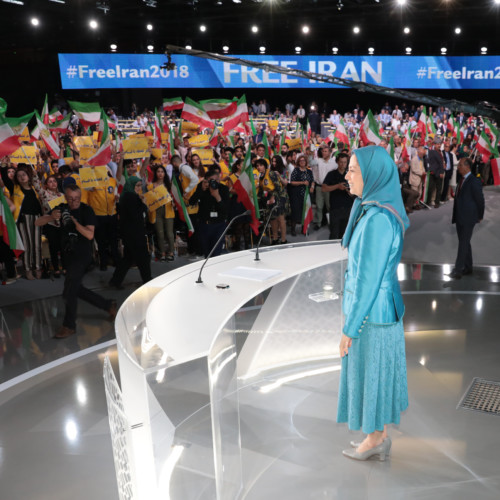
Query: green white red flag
[(214, 138), (252, 127), (181, 206), (240, 115), (422, 124), (493, 131), (369, 130), (425, 188), (341, 133), (19, 124), (268, 153), (495, 170), (392, 153), (193, 111), (158, 129), (9, 141), (103, 155), (173, 103), (89, 113), (246, 192), (46, 136), (219, 108), (10, 234), (45, 111), (450, 127), (307, 212), (484, 147), (62, 125), (55, 115)]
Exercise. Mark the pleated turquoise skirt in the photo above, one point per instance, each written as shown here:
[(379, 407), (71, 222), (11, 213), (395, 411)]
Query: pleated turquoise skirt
[(373, 387)]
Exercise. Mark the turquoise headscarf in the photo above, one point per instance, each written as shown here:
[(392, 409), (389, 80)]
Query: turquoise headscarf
[(381, 186), (130, 183)]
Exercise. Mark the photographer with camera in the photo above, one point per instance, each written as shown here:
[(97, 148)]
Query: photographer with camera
[(77, 232), (212, 198)]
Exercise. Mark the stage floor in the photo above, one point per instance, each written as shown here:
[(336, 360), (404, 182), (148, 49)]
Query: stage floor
[(55, 442)]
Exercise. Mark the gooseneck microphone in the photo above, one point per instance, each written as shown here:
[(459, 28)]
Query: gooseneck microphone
[(264, 231), (199, 280)]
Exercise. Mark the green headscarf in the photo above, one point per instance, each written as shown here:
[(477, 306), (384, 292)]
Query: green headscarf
[(130, 185)]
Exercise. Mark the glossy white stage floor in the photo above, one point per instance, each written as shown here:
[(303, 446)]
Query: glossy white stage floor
[(55, 443)]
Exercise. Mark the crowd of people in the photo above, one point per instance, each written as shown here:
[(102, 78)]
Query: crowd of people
[(111, 225)]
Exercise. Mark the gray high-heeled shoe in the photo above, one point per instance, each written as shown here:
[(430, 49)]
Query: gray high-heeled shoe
[(382, 450), (356, 444)]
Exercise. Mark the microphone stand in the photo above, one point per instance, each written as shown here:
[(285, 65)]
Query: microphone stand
[(264, 230), (199, 280)]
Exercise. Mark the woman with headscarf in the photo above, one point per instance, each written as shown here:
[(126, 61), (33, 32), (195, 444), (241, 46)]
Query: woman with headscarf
[(132, 214), (373, 390)]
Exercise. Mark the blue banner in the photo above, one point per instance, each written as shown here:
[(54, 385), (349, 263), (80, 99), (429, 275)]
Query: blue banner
[(105, 71)]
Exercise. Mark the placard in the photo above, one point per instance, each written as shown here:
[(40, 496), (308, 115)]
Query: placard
[(273, 125), (157, 197), (157, 153), (56, 202), (135, 147), (199, 141), (189, 127), (26, 156), (93, 177), (206, 156), (294, 143)]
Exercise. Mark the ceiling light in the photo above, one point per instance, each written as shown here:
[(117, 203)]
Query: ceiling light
[(113, 46), (93, 24), (497, 2), (237, 1), (189, 47), (57, 1), (149, 27), (340, 5), (408, 50), (371, 50), (255, 29), (335, 50), (262, 49), (458, 31), (401, 2), (225, 48), (17, 2), (298, 49), (444, 50), (203, 28), (356, 30), (35, 21), (406, 30), (484, 50), (150, 48), (305, 29)]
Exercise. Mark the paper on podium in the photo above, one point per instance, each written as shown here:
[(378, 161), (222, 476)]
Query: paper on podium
[(251, 273)]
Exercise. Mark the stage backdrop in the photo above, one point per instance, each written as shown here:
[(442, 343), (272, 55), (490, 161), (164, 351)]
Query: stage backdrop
[(100, 71)]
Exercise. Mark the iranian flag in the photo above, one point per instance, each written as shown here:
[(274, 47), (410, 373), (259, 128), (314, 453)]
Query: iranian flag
[(391, 149), (10, 234), (425, 188), (246, 193), (89, 113), (45, 111), (61, 126), (3, 107), (214, 138), (341, 133), (431, 128), (239, 116), (158, 129), (181, 206), (330, 138), (422, 124), (450, 124), (309, 130), (19, 124), (55, 115), (484, 147), (47, 138), (405, 153), (459, 134), (103, 154), (171, 142), (369, 130), (9, 141), (220, 108), (493, 131), (252, 128), (193, 111), (173, 103), (268, 153), (495, 170), (307, 212)]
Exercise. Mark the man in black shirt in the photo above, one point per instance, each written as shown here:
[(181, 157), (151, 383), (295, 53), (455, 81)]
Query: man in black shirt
[(213, 202), (436, 169), (77, 229), (341, 199)]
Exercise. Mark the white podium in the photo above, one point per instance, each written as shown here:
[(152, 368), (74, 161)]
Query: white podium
[(186, 350)]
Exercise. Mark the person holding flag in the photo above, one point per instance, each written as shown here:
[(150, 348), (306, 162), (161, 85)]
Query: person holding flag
[(301, 181)]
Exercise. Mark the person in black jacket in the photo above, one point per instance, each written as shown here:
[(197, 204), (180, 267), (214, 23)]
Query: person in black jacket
[(132, 225), (468, 209), (436, 169), (212, 198)]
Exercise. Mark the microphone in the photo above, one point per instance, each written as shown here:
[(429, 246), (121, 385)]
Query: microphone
[(199, 280), (264, 230)]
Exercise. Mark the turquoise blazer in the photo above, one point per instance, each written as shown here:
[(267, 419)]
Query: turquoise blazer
[(371, 290)]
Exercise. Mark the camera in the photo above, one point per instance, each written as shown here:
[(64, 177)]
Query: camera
[(213, 184), (66, 139), (70, 234)]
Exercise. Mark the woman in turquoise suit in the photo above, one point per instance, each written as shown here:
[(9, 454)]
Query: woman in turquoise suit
[(373, 390)]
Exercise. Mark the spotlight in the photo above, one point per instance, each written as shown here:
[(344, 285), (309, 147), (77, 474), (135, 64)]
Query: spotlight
[(149, 27), (408, 50), (255, 29), (262, 49), (298, 49), (150, 48), (93, 24), (406, 30), (225, 48), (335, 50), (356, 30), (203, 28), (458, 31), (113, 47), (35, 21), (371, 50), (305, 29), (340, 5), (444, 50), (189, 47), (401, 2), (497, 2), (237, 1), (484, 50)]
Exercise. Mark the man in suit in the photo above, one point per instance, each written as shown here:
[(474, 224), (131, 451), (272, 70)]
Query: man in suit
[(436, 169), (448, 162), (468, 209)]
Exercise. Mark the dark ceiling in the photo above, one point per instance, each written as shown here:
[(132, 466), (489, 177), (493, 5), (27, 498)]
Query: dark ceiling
[(64, 27)]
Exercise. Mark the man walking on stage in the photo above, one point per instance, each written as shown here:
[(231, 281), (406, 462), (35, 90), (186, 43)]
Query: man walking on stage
[(468, 209)]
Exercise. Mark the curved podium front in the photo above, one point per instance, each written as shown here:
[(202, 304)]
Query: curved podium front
[(201, 363)]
